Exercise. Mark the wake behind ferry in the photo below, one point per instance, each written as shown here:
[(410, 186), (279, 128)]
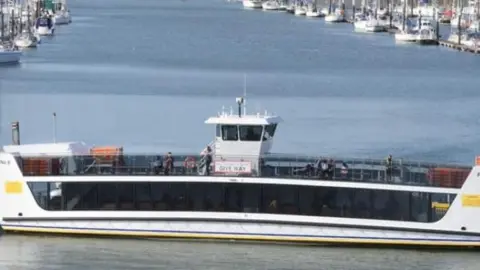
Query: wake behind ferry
[(235, 189)]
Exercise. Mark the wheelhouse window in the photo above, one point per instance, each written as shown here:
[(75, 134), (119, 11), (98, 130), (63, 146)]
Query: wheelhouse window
[(269, 131), (251, 133), (230, 133)]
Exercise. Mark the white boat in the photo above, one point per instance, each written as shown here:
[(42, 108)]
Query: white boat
[(26, 40), (283, 5), (271, 5), (246, 194), (62, 17), (337, 16), (426, 32), (313, 12), (300, 10), (45, 26), (373, 26), (9, 56), (62, 13), (405, 36), (252, 3)]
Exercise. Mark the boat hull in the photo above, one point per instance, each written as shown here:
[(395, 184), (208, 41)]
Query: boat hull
[(242, 229), (45, 31), (333, 18), (63, 19), (252, 4), (314, 14), (25, 43), (10, 57), (300, 12), (405, 37)]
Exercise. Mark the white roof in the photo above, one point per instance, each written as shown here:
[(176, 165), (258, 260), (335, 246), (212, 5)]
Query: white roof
[(49, 149), (244, 120)]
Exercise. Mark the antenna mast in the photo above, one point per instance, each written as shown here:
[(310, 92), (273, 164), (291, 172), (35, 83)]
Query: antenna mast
[(244, 94)]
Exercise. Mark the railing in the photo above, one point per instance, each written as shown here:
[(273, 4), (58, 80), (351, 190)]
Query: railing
[(281, 166)]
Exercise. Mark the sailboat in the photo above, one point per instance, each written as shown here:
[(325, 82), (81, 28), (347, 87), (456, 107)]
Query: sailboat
[(405, 35), (26, 38), (9, 54)]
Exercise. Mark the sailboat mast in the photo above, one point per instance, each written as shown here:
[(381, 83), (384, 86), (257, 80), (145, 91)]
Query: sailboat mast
[(2, 21), (404, 14)]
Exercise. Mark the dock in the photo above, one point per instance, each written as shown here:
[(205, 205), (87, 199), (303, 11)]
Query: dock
[(459, 47)]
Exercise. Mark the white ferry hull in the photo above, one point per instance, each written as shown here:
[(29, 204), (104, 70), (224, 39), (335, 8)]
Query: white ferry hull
[(149, 227), (10, 57)]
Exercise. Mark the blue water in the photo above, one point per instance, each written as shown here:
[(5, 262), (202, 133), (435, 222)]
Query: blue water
[(146, 74)]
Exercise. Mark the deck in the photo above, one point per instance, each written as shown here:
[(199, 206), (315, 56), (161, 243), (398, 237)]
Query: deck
[(276, 166)]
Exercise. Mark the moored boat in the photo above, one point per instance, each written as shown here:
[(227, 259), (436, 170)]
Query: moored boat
[(237, 189), (252, 4)]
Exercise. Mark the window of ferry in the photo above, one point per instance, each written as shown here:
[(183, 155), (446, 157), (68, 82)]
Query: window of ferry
[(229, 133), (251, 133), (269, 131)]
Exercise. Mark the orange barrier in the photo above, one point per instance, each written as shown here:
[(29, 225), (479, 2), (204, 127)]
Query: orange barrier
[(448, 177), (41, 166), (106, 154)]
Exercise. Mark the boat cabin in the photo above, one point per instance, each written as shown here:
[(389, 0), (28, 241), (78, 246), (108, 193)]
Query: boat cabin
[(241, 139)]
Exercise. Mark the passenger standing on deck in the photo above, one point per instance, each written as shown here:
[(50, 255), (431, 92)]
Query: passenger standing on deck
[(168, 164), (388, 168), (208, 160), (331, 169)]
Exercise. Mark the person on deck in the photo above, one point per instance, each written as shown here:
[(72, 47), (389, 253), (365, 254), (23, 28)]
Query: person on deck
[(208, 160), (388, 168), (169, 161)]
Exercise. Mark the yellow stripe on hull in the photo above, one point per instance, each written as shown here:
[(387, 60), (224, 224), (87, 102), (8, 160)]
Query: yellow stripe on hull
[(270, 238)]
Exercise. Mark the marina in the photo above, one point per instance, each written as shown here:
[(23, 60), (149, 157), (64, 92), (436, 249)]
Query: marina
[(24, 21)]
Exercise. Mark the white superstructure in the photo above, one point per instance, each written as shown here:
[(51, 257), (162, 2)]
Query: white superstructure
[(250, 194)]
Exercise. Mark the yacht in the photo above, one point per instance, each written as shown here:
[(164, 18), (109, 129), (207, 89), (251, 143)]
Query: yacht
[(62, 13), (426, 32), (236, 189), (45, 25), (271, 5), (252, 3)]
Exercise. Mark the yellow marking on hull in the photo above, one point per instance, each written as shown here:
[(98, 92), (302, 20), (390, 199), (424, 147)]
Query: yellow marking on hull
[(471, 200), (13, 187), (272, 238)]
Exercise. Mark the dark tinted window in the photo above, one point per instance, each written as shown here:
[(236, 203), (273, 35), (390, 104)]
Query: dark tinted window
[(229, 133), (251, 133), (246, 198)]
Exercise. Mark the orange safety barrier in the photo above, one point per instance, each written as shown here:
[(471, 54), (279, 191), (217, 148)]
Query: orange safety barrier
[(448, 177), (106, 154), (41, 166)]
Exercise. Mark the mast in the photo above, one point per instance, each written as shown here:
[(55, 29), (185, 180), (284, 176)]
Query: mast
[(404, 16), (2, 22)]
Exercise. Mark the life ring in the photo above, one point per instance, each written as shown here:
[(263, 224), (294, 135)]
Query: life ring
[(190, 163)]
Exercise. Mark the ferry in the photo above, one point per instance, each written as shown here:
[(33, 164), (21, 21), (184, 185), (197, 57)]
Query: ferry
[(246, 192)]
